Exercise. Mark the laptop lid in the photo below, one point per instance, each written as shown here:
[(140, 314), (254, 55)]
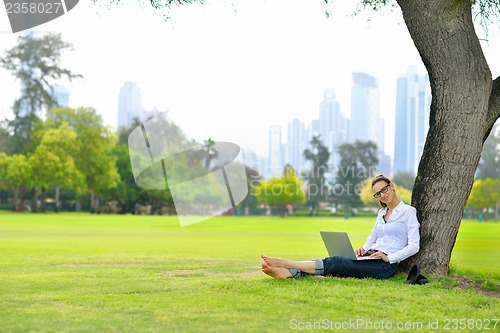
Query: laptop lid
[(338, 244)]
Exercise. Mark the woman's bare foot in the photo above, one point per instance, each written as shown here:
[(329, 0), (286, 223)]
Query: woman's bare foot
[(273, 262), (276, 272)]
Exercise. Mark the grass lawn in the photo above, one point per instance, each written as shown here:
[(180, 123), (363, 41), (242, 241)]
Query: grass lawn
[(109, 273)]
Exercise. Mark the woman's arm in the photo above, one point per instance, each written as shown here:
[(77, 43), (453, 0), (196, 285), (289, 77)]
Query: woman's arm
[(372, 238)]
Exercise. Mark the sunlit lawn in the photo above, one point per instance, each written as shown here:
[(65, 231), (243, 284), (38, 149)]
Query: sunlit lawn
[(109, 273)]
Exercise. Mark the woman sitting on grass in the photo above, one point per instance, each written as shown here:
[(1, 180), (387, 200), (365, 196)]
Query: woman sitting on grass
[(394, 238)]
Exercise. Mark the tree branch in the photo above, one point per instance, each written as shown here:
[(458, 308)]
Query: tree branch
[(493, 106)]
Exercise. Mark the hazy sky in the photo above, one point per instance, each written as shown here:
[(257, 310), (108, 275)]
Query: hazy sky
[(229, 71)]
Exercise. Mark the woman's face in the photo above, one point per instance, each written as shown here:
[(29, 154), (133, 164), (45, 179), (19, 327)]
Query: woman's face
[(383, 191)]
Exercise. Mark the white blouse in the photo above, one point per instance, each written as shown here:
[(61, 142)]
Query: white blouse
[(399, 237)]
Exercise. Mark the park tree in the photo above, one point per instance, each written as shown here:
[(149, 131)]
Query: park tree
[(253, 181), (93, 143), (209, 151), (17, 177), (4, 158), (4, 185), (281, 192), (358, 161), (315, 177), (126, 192), (485, 195), (52, 163), (35, 63), (465, 105)]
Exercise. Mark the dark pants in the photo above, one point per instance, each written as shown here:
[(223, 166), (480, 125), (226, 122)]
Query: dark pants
[(340, 266)]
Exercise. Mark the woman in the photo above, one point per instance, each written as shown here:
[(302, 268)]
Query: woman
[(394, 238)]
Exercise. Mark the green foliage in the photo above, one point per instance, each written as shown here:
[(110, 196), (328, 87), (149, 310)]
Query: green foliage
[(35, 62), (53, 161), (4, 160), (253, 181), (404, 179), (366, 194), (93, 143), (315, 178), (358, 161), (127, 193), (282, 191), (17, 177), (209, 151), (486, 194), (18, 170)]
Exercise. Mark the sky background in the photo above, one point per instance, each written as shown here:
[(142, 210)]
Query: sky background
[(228, 70)]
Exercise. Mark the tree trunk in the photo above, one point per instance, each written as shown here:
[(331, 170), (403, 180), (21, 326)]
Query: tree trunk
[(16, 199), (94, 203), (34, 200), (22, 198), (42, 201), (461, 117), (58, 202)]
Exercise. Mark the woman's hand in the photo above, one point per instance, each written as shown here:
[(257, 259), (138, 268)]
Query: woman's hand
[(360, 252), (381, 255)]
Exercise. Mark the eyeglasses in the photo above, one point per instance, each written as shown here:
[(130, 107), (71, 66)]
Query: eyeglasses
[(382, 191)]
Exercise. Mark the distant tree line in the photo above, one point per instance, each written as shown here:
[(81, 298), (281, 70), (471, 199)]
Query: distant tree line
[(77, 162)]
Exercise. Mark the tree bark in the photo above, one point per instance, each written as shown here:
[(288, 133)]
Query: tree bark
[(34, 199), (461, 117), (16, 200), (58, 202), (41, 208)]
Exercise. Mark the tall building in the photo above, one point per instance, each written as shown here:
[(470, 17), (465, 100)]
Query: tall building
[(275, 160), (253, 161), (365, 120), (296, 144), (332, 125), (129, 104), (413, 100), (61, 95)]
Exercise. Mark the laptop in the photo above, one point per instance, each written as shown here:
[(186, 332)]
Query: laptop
[(338, 244)]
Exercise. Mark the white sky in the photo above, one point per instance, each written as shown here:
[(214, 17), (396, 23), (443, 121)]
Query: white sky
[(228, 72)]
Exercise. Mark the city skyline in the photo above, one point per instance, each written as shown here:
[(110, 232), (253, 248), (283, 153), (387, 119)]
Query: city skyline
[(333, 129), (211, 66)]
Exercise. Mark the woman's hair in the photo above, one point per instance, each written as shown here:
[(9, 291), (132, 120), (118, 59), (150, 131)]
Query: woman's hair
[(378, 179)]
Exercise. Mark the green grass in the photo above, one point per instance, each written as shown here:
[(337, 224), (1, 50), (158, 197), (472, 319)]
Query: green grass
[(108, 273)]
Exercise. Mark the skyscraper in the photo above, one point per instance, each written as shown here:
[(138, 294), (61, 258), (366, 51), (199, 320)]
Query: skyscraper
[(413, 99), (296, 144), (332, 125), (129, 104), (365, 120), (275, 160)]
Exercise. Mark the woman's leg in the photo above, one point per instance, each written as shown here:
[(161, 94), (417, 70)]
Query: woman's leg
[(341, 266), (276, 272), (308, 267)]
